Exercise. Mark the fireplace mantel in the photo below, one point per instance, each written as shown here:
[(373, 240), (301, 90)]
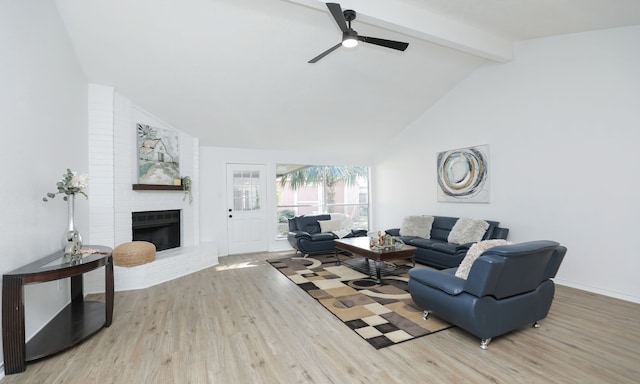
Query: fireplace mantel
[(157, 187)]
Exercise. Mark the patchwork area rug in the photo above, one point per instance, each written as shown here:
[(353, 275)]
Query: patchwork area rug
[(383, 314)]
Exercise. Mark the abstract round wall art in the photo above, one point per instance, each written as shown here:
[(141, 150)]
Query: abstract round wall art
[(463, 175)]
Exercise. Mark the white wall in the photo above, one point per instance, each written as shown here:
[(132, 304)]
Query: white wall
[(213, 202), (562, 124), (43, 122)]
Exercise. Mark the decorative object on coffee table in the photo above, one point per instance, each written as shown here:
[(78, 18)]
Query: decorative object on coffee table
[(70, 185)]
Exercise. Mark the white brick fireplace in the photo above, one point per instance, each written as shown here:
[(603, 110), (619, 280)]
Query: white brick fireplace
[(113, 171)]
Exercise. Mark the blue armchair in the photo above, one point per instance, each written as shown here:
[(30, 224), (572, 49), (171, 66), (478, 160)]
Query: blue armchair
[(508, 287), (306, 236)]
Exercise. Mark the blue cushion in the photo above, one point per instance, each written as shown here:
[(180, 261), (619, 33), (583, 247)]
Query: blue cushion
[(446, 282), (420, 242), (441, 227), (445, 248)]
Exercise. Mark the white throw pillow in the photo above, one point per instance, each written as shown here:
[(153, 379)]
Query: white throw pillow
[(467, 230), (330, 225), (474, 252), (417, 226), (345, 220)]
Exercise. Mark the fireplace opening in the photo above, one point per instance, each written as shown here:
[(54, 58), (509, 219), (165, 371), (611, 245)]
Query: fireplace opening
[(162, 228)]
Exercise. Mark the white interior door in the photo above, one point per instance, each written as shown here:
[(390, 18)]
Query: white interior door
[(246, 213)]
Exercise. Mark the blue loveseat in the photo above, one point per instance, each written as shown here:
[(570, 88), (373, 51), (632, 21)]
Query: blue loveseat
[(437, 251)]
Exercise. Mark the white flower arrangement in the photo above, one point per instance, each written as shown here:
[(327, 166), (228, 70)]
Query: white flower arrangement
[(70, 184)]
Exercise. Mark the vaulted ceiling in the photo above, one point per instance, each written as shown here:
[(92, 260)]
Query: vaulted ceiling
[(234, 73)]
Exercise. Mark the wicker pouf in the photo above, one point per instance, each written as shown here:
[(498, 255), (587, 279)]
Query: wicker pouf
[(134, 253)]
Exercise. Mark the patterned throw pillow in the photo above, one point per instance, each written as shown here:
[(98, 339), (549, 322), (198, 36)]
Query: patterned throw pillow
[(474, 252)]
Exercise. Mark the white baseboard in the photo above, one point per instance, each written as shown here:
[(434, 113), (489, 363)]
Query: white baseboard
[(600, 291)]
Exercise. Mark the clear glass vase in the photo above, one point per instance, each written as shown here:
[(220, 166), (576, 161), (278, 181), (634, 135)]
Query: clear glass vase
[(71, 240)]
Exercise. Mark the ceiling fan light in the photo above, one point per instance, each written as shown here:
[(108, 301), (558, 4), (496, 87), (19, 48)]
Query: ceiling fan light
[(349, 39), (349, 43)]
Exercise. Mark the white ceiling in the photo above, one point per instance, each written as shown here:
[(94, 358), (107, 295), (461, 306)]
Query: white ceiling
[(234, 73)]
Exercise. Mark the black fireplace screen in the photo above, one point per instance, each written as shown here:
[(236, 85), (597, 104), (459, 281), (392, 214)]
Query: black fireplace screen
[(161, 228)]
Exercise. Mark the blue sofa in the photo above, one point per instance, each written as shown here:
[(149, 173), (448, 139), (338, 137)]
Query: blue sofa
[(305, 235), (437, 251), (508, 287)]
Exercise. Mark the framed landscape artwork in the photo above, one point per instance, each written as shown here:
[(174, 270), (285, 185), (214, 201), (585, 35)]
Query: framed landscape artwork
[(158, 155), (463, 175)]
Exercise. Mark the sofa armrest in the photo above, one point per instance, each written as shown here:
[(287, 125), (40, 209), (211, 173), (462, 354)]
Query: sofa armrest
[(484, 275), (393, 231), (323, 236), (301, 234), (292, 224), (500, 233), (554, 263), (444, 280)]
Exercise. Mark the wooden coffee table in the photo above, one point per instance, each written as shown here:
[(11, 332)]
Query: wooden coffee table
[(359, 246)]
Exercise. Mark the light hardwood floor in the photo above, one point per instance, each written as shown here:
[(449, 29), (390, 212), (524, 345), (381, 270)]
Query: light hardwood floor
[(244, 322)]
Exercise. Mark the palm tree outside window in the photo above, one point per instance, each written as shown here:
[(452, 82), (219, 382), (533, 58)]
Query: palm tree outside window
[(310, 189)]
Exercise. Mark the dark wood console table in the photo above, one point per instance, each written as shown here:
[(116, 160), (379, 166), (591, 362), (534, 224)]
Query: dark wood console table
[(76, 322)]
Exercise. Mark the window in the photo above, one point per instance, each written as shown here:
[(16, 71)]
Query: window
[(311, 189)]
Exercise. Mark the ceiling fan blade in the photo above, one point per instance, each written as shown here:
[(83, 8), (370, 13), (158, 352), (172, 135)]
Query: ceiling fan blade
[(400, 46), (325, 53), (336, 11)]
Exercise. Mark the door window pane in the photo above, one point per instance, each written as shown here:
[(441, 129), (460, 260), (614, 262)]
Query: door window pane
[(246, 190)]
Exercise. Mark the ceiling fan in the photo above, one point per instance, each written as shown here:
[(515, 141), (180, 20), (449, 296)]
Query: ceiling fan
[(350, 37)]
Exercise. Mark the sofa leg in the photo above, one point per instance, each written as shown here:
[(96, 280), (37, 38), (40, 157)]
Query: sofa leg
[(484, 343), (425, 314), (536, 325)]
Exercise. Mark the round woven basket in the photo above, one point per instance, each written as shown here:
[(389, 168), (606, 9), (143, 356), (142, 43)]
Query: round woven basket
[(134, 253)]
